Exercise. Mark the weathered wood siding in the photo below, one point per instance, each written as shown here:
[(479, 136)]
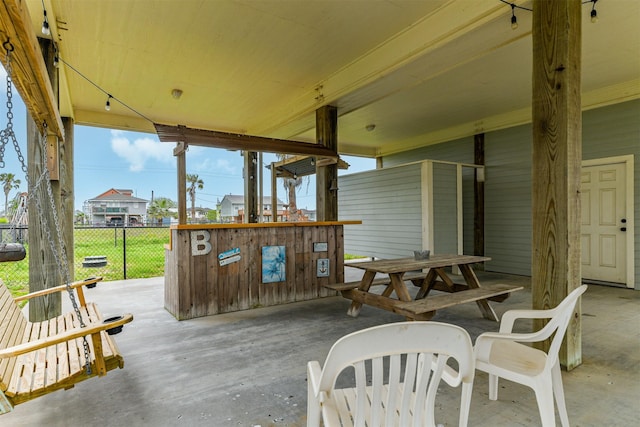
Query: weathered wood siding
[(389, 203), (197, 285)]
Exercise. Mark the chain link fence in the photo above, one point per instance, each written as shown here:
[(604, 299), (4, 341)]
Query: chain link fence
[(115, 253)]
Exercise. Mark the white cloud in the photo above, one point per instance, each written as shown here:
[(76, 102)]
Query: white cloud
[(140, 150)]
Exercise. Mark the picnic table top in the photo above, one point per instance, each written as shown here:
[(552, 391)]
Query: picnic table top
[(399, 265)]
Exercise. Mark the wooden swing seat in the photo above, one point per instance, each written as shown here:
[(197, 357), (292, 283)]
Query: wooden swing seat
[(37, 358)]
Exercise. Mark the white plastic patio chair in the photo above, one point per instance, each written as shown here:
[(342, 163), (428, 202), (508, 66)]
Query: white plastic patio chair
[(397, 366), (501, 355)]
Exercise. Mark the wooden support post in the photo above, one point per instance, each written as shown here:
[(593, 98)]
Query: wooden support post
[(43, 269), (327, 175), (67, 192), (478, 196), (557, 155), (250, 187), (274, 194), (180, 151)]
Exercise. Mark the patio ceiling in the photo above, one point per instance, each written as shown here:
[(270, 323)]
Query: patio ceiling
[(422, 72)]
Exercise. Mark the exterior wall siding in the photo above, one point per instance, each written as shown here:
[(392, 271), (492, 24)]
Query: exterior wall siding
[(615, 131), (388, 201), (606, 132), (445, 220)]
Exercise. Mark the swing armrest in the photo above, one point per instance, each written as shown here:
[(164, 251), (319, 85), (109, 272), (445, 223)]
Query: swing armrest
[(55, 289), (71, 334)]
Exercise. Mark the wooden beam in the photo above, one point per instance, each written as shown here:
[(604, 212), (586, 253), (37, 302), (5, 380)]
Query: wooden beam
[(230, 141), (327, 175), (557, 156), (181, 156), (250, 187), (478, 195), (28, 71)]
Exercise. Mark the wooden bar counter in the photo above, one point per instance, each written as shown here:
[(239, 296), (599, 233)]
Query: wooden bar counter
[(219, 268)]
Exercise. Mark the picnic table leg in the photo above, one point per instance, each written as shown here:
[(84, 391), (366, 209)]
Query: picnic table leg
[(365, 284), (398, 285), (427, 284), (473, 282)]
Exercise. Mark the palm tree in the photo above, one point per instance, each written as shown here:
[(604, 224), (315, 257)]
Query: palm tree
[(161, 208), (9, 182), (194, 183)]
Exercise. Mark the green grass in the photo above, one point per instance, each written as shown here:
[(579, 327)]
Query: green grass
[(144, 252)]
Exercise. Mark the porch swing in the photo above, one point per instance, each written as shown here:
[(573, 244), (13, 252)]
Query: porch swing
[(37, 358)]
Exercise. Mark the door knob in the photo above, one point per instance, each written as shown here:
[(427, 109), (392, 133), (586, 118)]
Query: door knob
[(623, 220)]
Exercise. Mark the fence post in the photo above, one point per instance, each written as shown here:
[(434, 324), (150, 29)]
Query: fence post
[(124, 251)]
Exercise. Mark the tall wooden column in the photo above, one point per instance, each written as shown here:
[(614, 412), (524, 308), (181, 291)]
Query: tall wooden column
[(180, 152), (250, 187), (327, 174), (557, 155), (478, 196), (67, 185), (44, 271)]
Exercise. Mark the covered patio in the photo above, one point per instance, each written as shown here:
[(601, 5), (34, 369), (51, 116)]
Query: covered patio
[(248, 368)]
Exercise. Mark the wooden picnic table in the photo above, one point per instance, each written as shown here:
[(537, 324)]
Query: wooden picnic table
[(410, 269)]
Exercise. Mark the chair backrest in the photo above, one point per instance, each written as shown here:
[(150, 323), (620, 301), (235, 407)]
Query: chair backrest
[(12, 327), (560, 322), (422, 347)]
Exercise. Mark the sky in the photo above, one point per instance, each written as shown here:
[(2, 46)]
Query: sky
[(108, 158)]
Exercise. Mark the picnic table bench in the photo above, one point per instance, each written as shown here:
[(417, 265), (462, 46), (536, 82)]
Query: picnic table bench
[(399, 271)]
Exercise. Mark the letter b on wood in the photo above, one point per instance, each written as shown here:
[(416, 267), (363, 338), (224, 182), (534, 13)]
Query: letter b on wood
[(200, 242)]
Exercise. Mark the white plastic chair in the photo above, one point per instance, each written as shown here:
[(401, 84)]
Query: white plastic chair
[(397, 366), (502, 356)]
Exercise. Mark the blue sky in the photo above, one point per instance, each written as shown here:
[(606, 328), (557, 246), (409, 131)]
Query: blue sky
[(107, 158)]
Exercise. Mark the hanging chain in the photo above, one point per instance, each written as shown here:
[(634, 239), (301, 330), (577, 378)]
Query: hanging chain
[(58, 252)]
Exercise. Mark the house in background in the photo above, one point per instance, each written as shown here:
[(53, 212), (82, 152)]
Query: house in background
[(116, 207), (231, 209)]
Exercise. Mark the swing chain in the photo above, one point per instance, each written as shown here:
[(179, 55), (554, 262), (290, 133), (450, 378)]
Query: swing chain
[(59, 253)]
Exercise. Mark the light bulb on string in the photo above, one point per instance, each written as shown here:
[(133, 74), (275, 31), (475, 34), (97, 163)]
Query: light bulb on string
[(594, 12), (107, 106), (514, 20), (45, 25)]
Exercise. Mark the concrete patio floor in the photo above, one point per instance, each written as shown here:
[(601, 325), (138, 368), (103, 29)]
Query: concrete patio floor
[(249, 368)]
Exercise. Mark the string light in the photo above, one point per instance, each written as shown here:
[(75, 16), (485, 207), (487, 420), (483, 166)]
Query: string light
[(45, 24), (107, 106), (594, 13), (514, 19)]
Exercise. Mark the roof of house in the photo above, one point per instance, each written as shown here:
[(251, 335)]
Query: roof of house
[(117, 197)]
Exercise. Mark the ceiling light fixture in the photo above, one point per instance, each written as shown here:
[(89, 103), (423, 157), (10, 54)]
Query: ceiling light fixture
[(176, 93), (370, 127), (107, 106)]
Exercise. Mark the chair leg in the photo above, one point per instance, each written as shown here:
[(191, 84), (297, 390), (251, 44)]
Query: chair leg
[(558, 392), (544, 395), (493, 387), (465, 404)]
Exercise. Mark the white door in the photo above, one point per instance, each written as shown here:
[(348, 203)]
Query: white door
[(603, 232)]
